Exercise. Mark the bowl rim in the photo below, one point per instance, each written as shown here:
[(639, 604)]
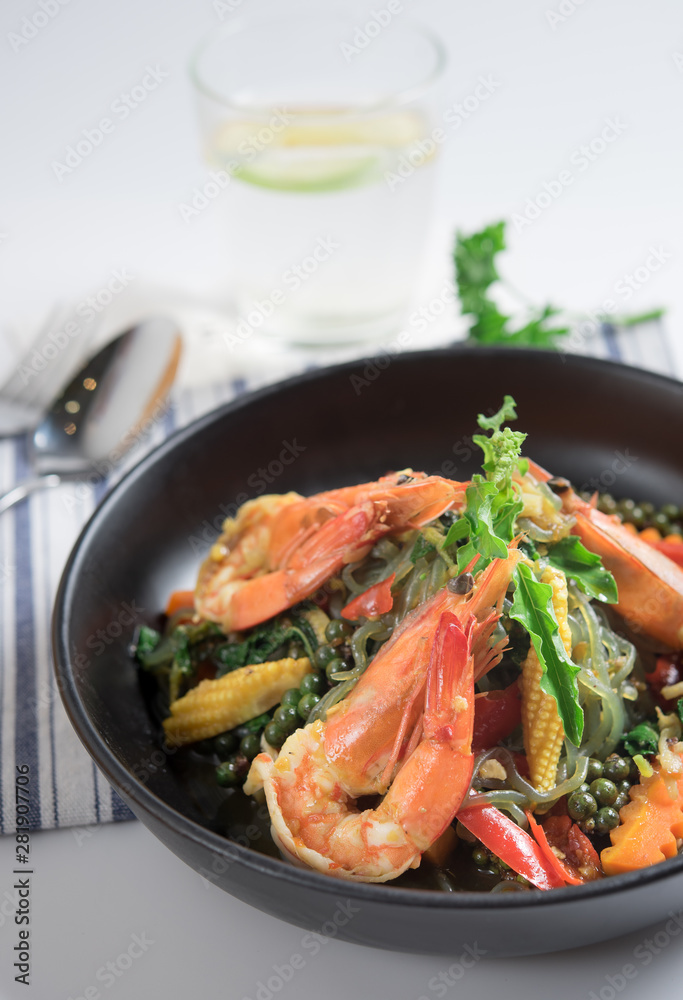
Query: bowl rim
[(138, 793)]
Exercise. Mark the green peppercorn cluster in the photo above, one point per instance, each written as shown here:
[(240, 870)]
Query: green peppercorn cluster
[(238, 747), (668, 519), (595, 805), (487, 862)]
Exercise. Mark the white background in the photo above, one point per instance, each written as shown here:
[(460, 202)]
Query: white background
[(61, 239)]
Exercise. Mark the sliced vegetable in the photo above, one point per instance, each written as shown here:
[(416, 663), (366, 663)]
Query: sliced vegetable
[(373, 602), (674, 550), (567, 849), (651, 823), (543, 730), (496, 715), (533, 608), (217, 705), (667, 674), (179, 601), (510, 843)]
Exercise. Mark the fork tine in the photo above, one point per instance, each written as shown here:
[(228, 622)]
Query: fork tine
[(35, 387)]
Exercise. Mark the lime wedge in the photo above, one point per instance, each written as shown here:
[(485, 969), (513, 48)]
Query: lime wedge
[(312, 173), (308, 150)]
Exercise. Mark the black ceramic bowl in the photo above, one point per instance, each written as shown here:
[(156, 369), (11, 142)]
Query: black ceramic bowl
[(592, 421)]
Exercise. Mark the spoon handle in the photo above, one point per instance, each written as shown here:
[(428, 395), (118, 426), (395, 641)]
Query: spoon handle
[(21, 491)]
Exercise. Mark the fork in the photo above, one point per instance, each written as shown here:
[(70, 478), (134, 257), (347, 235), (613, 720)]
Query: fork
[(51, 359)]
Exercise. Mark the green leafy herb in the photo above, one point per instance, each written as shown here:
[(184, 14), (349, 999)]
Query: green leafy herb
[(529, 549), (459, 529), (585, 568), (643, 738), (532, 607), (265, 642), (475, 272), (679, 706), (257, 724), (635, 318), (492, 503), (421, 548), (182, 666), (148, 639), (157, 654), (501, 450), (483, 518)]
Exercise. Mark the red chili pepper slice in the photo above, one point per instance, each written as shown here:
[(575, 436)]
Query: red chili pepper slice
[(372, 603), (551, 857), (666, 673), (581, 861), (673, 550), (511, 844), (496, 714)]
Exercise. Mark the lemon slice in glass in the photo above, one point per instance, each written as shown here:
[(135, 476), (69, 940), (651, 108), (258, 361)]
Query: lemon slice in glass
[(309, 154)]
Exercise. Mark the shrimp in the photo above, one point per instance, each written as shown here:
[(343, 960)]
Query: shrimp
[(281, 549), (405, 731), (650, 584)]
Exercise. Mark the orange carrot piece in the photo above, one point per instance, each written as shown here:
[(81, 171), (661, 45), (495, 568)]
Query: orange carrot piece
[(650, 824), (179, 601), (651, 535)]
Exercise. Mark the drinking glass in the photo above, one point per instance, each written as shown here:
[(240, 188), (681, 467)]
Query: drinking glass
[(321, 132)]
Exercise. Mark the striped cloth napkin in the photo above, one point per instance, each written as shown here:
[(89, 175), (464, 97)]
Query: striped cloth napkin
[(35, 540)]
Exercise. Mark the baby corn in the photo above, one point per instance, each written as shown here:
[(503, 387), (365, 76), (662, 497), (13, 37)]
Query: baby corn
[(543, 732), (215, 706)]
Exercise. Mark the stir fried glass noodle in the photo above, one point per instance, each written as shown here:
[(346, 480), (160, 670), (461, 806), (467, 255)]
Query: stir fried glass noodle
[(481, 679)]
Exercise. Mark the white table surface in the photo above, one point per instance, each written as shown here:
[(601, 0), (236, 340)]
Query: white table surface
[(558, 85)]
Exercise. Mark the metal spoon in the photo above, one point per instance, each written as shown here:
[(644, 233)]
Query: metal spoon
[(103, 410)]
